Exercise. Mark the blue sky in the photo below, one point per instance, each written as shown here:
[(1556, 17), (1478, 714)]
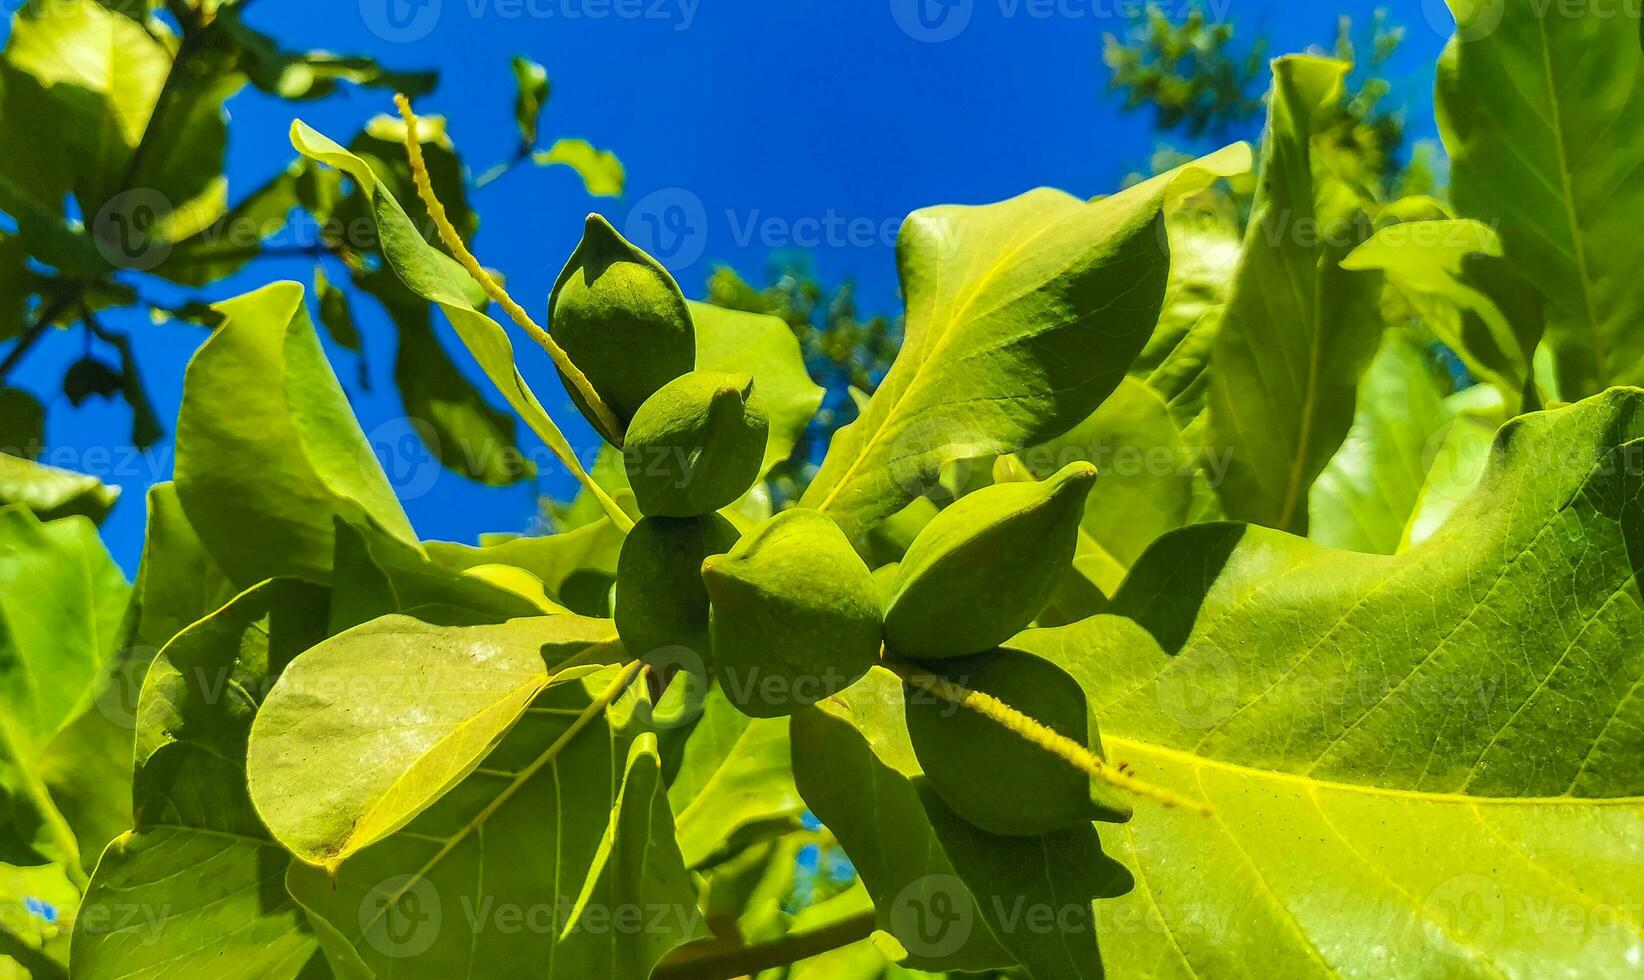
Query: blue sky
[(764, 124)]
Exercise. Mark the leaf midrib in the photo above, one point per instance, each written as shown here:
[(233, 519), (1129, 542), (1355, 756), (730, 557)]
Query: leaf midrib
[(1118, 743)]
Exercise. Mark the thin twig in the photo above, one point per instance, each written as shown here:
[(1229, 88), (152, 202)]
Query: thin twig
[(707, 962), (33, 334), (608, 422)]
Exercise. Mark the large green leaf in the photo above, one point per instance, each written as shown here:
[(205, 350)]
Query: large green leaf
[(554, 858), (1413, 760), (393, 714), (1022, 317), (1298, 330), (766, 348), (1366, 495), (201, 866), (268, 451), (61, 601), (951, 896), (1543, 116), (733, 773)]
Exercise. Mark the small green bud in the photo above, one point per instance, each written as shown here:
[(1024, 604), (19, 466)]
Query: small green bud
[(982, 569), (994, 777), (660, 599), (794, 616), (622, 320), (695, 446)]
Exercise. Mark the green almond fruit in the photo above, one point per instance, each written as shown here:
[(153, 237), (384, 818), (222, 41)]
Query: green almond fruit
[(794, 615), (982, 569), (661, 603), (993, 777), (622, 320), (695, 446)]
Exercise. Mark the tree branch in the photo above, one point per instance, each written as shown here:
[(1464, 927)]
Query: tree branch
[(706, 961)]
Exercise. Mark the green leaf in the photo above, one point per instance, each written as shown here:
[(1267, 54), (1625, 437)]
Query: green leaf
[(395, 713), (1461, 450), (451, 417), (377, 574), (305, 74), (1410, 758), (22, 424), (601, 172), (201, 866), (37, 907), (1543, 118), (1042, 303), (61, 601), (577, 567), (733, 773), (555, 857), (1298, 330), (531, 95), (336, 314), (1203, 230), (267, 448), (1368, 492), (104, 75), (52, 493), (734, 342), (1452, 275), (952, 896), (1144, 483), (438, 278)]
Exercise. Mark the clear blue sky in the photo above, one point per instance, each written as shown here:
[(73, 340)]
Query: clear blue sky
[(810, 112)]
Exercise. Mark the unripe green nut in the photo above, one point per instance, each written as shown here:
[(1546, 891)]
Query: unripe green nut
[(982, 569), (794, 616), (622, 320), (660, 599), (695, 446), (993, 777)]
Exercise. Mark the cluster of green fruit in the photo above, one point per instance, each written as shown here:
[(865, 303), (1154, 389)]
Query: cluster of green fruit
[(789, 613)]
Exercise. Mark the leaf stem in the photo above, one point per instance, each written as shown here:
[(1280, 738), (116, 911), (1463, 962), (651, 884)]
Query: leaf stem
[(1042, 735), (49, 311), (454, 244), (706, 961)]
